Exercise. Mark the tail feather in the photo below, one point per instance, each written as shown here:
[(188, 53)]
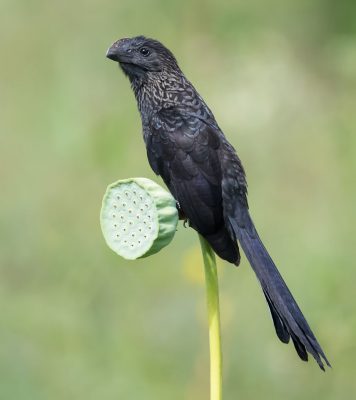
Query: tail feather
[(288, 320), (281, 329)]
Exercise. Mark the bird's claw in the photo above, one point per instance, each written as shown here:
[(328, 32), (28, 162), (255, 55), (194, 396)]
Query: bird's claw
[(185, 222)]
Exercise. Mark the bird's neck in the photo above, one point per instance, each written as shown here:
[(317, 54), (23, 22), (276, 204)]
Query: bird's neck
[(157, 91)]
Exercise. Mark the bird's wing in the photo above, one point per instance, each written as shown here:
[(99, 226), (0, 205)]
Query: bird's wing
[(183, 150)]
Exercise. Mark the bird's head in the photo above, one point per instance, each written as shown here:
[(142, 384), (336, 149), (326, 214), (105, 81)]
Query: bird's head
[(139, 56)]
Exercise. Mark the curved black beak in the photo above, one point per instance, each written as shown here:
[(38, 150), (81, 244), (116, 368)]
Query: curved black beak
[(112, 53), (120, 51)]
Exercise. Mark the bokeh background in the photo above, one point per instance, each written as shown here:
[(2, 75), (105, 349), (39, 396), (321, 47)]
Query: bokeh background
[(78, 322)]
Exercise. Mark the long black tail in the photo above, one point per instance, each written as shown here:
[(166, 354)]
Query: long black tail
[(288, 320)]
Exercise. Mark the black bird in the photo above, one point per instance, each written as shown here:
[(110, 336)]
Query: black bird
[(186, 147)]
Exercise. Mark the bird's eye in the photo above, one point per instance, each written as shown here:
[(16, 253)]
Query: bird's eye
[(144, 51)]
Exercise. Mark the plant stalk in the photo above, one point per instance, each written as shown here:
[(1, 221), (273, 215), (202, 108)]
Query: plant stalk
[(212, 293)]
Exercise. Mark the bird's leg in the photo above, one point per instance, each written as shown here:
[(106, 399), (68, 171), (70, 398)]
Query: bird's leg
[(181, 216)]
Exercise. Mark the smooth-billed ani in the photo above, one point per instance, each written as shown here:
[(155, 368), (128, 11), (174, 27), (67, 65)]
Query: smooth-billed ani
[(186, 147)]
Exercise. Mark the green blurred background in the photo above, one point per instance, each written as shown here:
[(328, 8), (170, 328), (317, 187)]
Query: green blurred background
[(78, 322)]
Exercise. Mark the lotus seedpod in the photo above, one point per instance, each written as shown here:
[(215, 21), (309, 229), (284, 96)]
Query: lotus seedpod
[(138, 217)]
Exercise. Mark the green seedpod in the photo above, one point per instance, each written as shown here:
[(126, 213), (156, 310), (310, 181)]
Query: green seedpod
[(138, 217)]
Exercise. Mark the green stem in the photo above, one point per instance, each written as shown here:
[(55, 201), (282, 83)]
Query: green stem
[(212, 292)]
